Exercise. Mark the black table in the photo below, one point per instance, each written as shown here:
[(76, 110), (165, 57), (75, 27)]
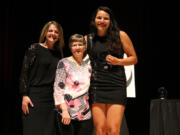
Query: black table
[(165, 117)]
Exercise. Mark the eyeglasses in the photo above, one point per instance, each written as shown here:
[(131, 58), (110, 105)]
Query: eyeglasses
[(77, 45)]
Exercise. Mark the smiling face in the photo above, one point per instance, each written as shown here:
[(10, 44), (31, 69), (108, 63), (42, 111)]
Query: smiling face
[(77, 49), (52, 35), (102, 22)]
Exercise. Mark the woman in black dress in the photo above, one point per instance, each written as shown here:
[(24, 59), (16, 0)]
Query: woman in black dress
[(106, 46), (37, 79)]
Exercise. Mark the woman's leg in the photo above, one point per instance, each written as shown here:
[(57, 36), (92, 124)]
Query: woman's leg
[(99, 118), (115, 114)]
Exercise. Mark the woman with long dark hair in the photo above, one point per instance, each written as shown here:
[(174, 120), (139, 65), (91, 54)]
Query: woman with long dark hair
[(106, 45)]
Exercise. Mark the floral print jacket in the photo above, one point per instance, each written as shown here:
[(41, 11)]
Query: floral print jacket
[(71, 87)]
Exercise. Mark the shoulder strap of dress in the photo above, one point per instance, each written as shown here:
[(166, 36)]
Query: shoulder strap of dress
[(89, 43)]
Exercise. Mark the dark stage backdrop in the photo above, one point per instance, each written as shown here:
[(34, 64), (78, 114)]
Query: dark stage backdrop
[(153, 28)]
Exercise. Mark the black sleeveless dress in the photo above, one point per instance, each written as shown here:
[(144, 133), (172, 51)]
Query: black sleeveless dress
[(108, 82)]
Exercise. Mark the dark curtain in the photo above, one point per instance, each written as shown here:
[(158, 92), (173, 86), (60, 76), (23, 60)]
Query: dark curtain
[(153, 28)]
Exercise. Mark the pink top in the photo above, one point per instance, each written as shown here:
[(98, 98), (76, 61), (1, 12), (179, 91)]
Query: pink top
[(71, 87)]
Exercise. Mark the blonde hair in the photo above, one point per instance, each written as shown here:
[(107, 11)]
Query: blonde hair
[(60, 43)]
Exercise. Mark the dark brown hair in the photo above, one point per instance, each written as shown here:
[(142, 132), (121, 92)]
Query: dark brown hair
[(113, 33)]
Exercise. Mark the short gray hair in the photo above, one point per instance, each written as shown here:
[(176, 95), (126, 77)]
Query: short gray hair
[(76, 38)]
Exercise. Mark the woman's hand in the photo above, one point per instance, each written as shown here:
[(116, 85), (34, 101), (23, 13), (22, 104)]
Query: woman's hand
[(66, 119), (25, 103), (112, 60)]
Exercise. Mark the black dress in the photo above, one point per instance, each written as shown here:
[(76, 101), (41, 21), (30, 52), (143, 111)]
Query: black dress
[(108, 82), (36, 81)]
